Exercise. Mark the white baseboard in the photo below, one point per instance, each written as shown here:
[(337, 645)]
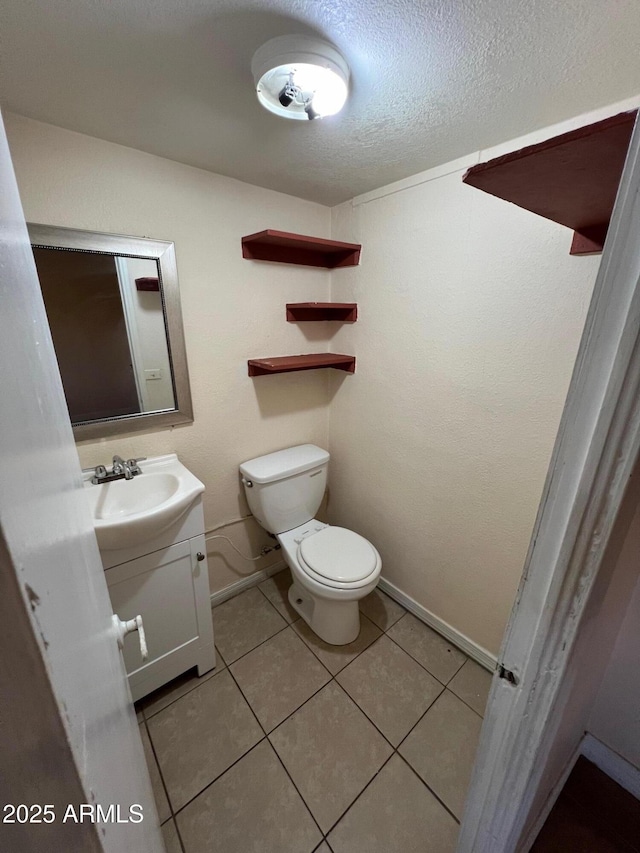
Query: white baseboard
[(252, 580), (528, 839), (611, 763), (614, 765), (473, 650)]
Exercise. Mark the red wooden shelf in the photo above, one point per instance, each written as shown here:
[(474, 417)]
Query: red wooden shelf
[(286, 248), (289, 363), (572, 179), (347, 312), (147, 283)]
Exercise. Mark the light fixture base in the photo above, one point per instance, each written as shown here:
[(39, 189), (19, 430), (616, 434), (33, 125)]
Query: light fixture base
[(319, 73)]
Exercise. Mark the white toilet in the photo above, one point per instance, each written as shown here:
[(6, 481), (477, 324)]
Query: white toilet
[(332, 568)]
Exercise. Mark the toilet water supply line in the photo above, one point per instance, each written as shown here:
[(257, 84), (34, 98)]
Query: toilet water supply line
[(266, 550)]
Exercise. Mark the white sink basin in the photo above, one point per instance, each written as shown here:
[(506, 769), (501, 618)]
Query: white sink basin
[(129, 512)]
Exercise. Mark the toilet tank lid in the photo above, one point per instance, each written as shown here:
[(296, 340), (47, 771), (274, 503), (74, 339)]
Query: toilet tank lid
[(284, 463)]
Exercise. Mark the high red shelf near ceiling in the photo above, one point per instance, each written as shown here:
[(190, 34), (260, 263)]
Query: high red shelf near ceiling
[(571, 179)]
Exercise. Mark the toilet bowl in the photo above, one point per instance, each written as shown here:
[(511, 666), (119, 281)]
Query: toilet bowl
[(332, 567)]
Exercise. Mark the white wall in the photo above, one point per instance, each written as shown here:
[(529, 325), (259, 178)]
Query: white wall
[(470, 314), (233, 309), (615, 718)]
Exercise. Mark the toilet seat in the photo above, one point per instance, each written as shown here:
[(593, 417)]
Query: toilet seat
[(338, 557)]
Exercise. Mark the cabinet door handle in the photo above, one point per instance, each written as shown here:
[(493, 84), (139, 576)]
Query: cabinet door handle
[(128, 627)]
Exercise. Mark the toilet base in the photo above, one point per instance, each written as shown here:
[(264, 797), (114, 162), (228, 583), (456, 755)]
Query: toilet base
[(335, 622)]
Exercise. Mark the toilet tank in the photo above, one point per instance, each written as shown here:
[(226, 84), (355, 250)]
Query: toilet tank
[(285, 489)]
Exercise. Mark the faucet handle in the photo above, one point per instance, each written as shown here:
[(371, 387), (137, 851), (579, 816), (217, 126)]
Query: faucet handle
[(132, 465), (99, 474)]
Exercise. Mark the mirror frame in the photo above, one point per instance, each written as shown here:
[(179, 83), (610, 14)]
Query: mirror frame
[(95, 242)]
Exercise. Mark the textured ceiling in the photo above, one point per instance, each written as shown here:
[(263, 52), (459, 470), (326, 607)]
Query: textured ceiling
[(432, 80)]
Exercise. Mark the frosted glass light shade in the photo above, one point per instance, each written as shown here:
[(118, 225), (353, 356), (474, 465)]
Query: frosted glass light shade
[(313, 66)]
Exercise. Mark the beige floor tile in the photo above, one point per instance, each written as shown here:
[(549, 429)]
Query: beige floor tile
[(429, 648), (200, 735), (336, 658), (396, 814), (180, 686), (278, 677), (471, 684), (390, 687), (170, 836), (442, 749), (162, 803), (331, 752), (276, 588), (253, 808), (382, 610), (243, 622)]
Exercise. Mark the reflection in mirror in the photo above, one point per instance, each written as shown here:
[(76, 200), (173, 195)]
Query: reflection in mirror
[(114, 314), (108, 335)]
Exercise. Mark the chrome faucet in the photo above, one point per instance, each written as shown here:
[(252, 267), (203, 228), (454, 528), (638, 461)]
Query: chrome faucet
[(120, 470)]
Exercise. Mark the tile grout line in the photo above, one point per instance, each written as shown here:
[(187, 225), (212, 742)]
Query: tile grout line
[(364, 713), (226, 665), (155, 758), (379, 627), (275, 751), (444, 684), (180, 841), (384, 631), (395, 751), (165, 789), (431, 791), (332, 678), (199, 683), (219, 776), (271, 602), (317, 657), (450, 679), (355, 800), (266, 736), (466, 704), (355, 701), (261, 643), (370, 646)]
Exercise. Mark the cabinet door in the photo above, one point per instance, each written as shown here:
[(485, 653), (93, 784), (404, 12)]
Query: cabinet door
[(160, 588)]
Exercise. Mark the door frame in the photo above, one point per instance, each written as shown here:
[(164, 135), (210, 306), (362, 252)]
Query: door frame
[(132, 331), (596, 449)]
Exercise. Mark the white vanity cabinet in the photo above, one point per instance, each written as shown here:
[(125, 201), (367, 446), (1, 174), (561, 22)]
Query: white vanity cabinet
[(169, 587)]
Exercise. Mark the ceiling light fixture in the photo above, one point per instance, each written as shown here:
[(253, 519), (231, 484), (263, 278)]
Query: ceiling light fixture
[(300, 77)]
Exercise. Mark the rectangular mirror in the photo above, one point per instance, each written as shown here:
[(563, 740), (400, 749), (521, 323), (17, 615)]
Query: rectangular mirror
[(114, 312)]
